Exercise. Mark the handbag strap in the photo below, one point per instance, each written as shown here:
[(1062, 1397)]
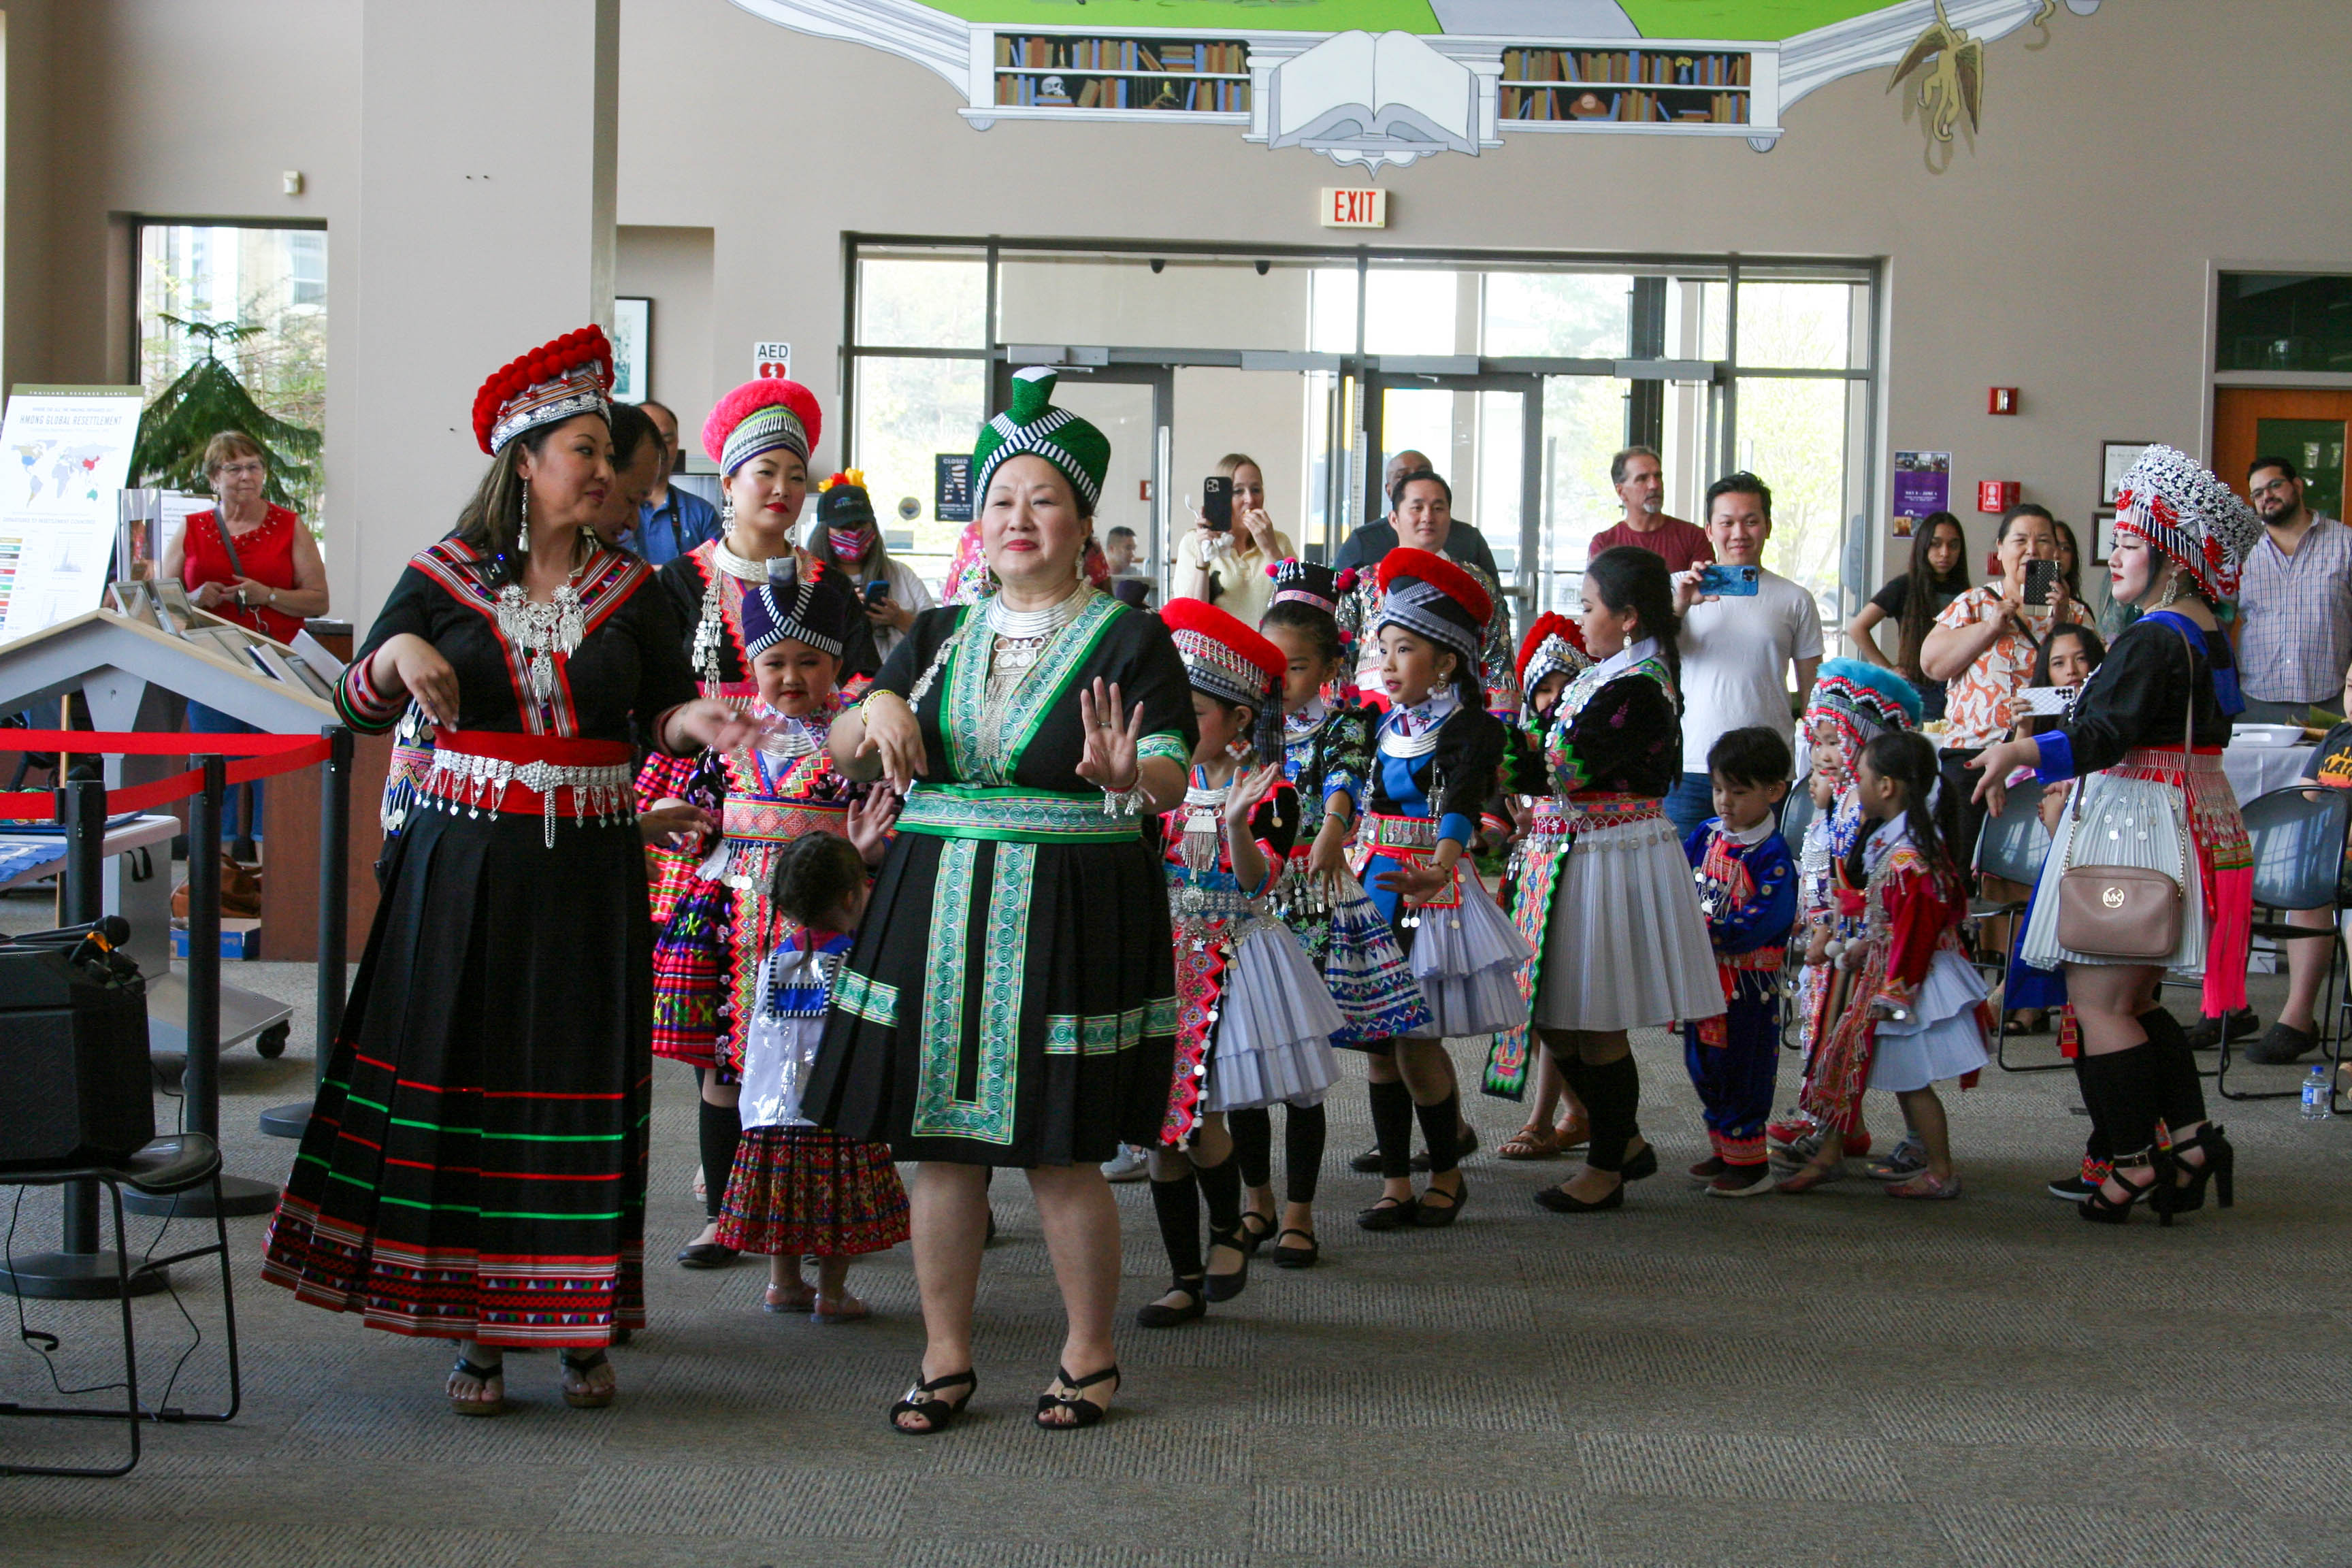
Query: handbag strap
[(2188, 750)]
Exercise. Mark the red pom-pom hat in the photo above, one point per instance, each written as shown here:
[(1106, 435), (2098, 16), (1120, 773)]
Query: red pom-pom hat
[(760, 416), (1222, 656), (1553, 643), (555, 382), (1431, 597)]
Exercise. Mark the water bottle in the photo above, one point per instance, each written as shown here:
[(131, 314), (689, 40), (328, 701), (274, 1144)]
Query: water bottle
[(2316, 1107)]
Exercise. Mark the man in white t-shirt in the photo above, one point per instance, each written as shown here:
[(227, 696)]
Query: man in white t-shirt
[(1739, 652)]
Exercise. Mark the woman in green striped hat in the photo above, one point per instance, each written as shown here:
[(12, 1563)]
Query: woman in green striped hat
[(1012, 998)]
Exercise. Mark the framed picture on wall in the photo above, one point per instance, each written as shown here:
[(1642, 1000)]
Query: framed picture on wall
[(632, 348), (2103, 534), (2115, 458)]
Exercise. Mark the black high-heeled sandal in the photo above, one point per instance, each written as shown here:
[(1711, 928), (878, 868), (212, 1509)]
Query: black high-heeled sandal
[(1156, 1315), (1295, 1257), (1225, 1286), (2100, 1209), (923, 1400), (1084, 1412), (2220, 1167), (587, 1396)]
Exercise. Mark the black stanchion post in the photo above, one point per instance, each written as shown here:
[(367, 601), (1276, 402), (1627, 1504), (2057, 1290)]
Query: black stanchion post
[(83, 1268), (334, 921)]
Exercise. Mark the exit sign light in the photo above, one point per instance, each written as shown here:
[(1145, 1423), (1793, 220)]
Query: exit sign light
[(1355, 207)]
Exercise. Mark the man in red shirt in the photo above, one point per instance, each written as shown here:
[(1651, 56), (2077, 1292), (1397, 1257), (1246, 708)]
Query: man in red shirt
[(1640, 484)]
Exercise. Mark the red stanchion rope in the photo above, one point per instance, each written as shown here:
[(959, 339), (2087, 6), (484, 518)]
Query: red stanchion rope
[(264, 756)]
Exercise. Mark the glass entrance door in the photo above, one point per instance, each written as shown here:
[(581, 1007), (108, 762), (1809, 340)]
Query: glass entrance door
[(1484, 434)]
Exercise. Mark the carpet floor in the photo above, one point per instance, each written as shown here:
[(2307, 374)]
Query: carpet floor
[(1839, 1379)]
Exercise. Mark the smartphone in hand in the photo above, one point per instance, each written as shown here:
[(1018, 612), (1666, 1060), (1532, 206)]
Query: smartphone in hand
[(878, 592), (2040, 577), (1217, 503), (1728, 582)]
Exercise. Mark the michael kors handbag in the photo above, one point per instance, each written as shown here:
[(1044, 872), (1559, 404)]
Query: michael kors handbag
[(2127, 914)]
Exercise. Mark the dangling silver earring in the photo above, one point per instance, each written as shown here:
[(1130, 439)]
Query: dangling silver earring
[(2171, 589), (726, 509), (523, 533)]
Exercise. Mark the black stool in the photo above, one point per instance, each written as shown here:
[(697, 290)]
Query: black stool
[(163, 1168)]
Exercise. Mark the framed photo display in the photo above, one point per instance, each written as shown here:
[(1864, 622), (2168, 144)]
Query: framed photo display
[(632, 348), (2103, 533), (2115, 458)]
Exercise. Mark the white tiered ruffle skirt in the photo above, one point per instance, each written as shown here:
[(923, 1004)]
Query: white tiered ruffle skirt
[(1942, 1038), (1466, 958), (1626, 946), (1275, 1023)]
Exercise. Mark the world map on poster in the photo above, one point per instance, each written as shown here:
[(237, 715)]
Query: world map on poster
[(57, 476), (1375, 82)]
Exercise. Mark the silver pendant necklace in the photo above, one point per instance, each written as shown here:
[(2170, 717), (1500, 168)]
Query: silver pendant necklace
[(1021, 635), (543, 632)]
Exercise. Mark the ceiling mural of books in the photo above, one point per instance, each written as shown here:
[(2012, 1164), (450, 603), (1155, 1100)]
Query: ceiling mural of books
[(1376, 82)]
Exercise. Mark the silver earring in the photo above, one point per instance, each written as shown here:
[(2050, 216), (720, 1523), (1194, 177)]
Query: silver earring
[(726, 510), (522, 535)]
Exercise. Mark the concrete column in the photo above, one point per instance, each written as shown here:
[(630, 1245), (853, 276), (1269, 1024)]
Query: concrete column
[(488, 150)]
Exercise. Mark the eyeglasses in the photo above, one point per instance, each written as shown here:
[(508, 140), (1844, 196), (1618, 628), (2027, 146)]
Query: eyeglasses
[(2275, 487), (248, 470)]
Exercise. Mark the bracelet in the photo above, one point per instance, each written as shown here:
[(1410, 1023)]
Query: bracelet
[(870, 698), (1129, 802)]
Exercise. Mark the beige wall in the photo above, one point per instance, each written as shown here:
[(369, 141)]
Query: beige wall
[(2067, 254), (672, 266)]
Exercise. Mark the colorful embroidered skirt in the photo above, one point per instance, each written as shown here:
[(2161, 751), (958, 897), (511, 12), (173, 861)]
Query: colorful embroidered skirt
[(475, 1166), (802, 1191), (1349, 939), (1007, 1003)]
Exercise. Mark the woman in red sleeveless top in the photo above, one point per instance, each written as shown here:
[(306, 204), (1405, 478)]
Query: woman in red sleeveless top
[(277, 579)]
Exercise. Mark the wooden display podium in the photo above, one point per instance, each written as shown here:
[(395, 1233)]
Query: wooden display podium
[(290, 878)]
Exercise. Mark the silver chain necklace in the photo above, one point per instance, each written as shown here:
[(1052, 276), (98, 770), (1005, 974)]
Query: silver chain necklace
[(541, 632)]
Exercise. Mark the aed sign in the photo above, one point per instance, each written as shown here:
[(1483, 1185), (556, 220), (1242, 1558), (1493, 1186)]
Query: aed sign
[(1355, 207), (771, 362)]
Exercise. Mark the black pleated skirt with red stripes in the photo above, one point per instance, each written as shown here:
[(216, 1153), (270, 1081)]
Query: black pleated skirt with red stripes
[(475, 1166)]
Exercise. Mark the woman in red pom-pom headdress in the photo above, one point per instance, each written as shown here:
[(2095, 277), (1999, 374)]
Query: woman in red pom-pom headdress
[(474, 1168)]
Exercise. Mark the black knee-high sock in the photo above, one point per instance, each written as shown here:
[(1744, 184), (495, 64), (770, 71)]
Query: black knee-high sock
[(1438, 1125), (718, 1128), (2123, 1100), (2180, 1092), (1176, 1205), (1611, 1092), (1221, 1193), (1392, 1125), (2098, 1146), (1252, 1133), (1304, 1130)]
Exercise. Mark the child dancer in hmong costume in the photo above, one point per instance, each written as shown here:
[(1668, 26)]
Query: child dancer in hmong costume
[(1747, 890), (1551, 656), (1907, 1007), (1253, 1023), (1327, 753), (797, 1189), (1438, 758), (475, 1167), (1625, 944), (1852, 704), (719, 922)]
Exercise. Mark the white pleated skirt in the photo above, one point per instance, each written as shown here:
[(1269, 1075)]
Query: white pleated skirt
[(1466, 959), (1275, 1023), (1941, 1039), (2125, 822), (1626, 946)]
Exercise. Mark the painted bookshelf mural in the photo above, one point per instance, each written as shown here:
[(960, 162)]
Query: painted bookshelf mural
[(1377, 82)]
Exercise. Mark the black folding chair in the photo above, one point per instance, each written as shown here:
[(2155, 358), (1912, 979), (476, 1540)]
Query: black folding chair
[(165, 1167), (2298, 835), (2011, 845)]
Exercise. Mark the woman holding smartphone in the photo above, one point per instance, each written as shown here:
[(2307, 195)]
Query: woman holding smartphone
[(1228, 564), (847, 539), (1984, 647)]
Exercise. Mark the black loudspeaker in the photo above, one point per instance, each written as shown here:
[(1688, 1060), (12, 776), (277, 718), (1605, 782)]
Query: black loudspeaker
[(75, 1084)]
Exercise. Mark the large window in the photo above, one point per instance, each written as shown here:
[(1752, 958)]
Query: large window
[(271, 280), (1520, 378)]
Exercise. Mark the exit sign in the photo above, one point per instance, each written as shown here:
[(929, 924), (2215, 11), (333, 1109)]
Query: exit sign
[(1352, 207)]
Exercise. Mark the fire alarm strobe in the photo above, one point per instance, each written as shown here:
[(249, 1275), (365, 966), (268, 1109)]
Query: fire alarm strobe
[(2000, 400)]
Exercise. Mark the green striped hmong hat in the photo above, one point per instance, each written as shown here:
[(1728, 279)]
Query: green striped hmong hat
[(1033, 425)]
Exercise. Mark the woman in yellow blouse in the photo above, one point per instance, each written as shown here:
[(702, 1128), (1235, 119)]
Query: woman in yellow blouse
[(1230, 567)]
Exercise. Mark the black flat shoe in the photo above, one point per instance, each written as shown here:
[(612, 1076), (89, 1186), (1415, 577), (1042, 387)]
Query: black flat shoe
[(1641, 1165), (1084, 1412), (1159, 1315), (1367, 1163), (923, 1400), (705, 1255), (1225, 1286), (1438, 1218), (1286, 1256), (1389, 1213), (1255, 1236), (1560, 1201)]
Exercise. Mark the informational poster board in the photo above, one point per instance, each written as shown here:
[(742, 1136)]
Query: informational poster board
[(68, 453), (1923, 487)]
